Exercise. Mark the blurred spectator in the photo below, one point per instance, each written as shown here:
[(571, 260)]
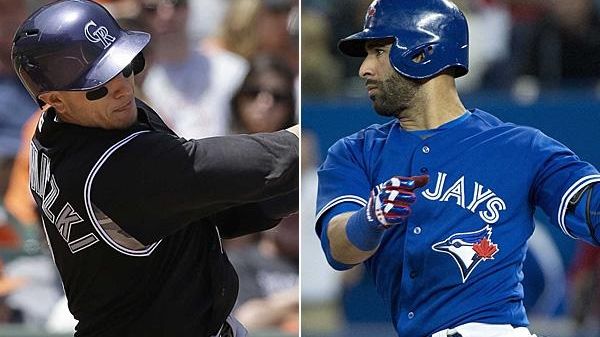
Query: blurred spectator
[(279, 309), (321, 72), (10, 240), (41, 291), (7, 286), (60, 319), (36, 297), (206, 17), (524, 12), (190, 87), (270, 264), (585, 303), (15, 104), (12, 13), (267, 264), (320, 284), (524, 16), (18, 200), (347, 16), (121, 8), (268, 275), (265, 102), (564, 49), (253, 27), (488, 53)]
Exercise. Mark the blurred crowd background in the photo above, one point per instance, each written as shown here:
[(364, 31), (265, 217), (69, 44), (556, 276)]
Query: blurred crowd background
[(212, 68), (232, 66), (532, 62)]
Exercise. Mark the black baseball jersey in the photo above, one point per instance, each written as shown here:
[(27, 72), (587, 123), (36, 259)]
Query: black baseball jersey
[(133, 219)]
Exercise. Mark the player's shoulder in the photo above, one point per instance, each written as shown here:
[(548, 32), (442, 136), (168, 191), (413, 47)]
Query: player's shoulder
[(367, 141), (490, 123), (369, 135)]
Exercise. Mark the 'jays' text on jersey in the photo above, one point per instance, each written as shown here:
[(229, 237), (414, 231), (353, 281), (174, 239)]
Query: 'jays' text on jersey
[(134, 218), (459, 258)]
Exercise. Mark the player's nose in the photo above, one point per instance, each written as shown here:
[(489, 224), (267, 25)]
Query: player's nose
[(121, 86), (366, 68)]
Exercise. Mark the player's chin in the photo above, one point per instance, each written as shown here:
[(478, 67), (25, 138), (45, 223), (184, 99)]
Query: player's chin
[(384, 110), (377, 102), (122, 120)]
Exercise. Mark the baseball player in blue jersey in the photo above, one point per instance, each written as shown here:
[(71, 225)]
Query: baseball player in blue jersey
[(438, 203)]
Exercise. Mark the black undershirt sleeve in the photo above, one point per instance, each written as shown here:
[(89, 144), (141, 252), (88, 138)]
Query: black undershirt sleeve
[(157, 183)]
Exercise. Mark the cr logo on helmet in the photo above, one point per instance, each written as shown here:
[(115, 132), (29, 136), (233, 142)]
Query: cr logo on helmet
[(98, 35)]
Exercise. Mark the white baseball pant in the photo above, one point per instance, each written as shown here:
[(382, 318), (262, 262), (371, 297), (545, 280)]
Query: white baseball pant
[(484, 330)]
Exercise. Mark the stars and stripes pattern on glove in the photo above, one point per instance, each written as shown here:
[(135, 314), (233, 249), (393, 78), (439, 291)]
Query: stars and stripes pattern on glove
[(390, 202)]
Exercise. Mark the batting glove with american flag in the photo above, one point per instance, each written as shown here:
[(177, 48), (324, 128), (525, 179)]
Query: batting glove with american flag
[(390, 202)]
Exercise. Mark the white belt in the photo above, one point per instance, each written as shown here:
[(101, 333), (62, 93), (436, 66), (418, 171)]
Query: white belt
[(485, 330)]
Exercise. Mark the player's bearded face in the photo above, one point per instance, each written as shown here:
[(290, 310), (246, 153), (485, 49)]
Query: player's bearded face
[(395, 94)]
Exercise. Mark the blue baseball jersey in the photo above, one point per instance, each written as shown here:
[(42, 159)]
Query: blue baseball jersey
[(459, 258)]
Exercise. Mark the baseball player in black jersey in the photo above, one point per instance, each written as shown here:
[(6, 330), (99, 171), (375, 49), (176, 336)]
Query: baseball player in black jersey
[(133, 214)]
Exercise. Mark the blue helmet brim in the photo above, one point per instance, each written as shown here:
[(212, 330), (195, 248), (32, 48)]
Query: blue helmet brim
[(354, 45)]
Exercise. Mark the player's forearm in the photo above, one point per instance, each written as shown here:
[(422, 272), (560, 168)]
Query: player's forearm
[(353, 237), (342, 250), (257, 167)]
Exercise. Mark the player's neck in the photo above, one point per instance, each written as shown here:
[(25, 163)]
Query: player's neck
[(436, 103)]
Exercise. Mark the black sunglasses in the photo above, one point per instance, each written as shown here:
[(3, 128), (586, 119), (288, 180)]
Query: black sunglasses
[(96, 94), (278, 96)]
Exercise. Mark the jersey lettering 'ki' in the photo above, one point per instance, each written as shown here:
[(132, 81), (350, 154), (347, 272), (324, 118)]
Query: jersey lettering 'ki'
[(459, 257)]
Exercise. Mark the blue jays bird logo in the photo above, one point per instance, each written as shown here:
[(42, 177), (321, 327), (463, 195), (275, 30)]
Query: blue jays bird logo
[(469, 249)]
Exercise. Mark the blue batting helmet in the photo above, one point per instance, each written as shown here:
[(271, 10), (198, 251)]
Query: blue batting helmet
[(430, 36), (73, 45)]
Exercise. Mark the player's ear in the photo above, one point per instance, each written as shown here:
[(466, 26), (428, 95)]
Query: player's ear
[(53, 98)]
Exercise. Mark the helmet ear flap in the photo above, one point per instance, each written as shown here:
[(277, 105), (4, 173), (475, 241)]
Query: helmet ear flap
[(138, 63), (416, 63)]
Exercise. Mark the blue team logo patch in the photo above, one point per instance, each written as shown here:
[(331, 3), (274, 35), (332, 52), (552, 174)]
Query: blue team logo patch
[(469, 249)]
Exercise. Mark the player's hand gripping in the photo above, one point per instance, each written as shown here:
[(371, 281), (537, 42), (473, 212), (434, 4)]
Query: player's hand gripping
[(390, 202), (388, 205)]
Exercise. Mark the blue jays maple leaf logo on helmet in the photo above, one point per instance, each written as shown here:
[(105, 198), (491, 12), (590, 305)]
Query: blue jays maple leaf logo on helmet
[(370, 13), (469, 249)]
